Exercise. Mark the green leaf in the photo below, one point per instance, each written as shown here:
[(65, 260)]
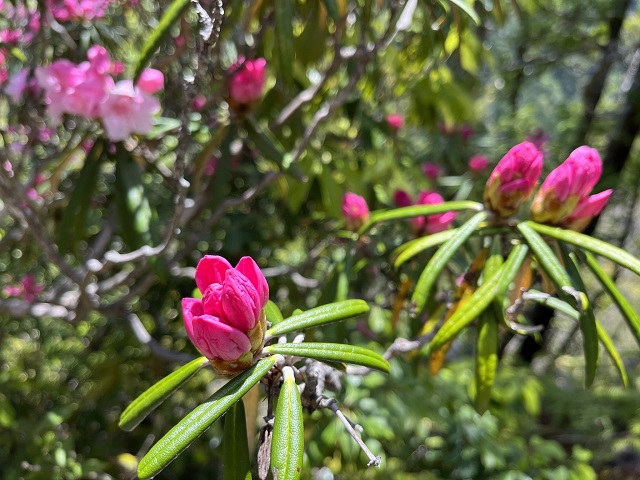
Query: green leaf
[(591, 244), (332, 9), (237, 465), (479, 300), (547, 259), (486, 359), (273, 313), (417, 211), (587, 320), (170, 17), (609, 346), (158, 393), (287, 445), (414, 247), (440, 259), (200, 419), (466, 8), (74, 218), (284, 40), (332, 312), (335, 352), (628, 312)]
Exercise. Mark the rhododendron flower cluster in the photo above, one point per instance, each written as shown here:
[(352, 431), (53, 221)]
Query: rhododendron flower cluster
[(563, 198), (432, 223), (28, 289), (88, 89), (227, 325), (22, 23), (513, 179), (247, 81), (355, 211), (66, 10)]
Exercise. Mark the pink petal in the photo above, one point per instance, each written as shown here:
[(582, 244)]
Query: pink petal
[(151, 80), (212, 300), (218, 340), (240, 301), (249, 268), (211, 269), (191, 307)]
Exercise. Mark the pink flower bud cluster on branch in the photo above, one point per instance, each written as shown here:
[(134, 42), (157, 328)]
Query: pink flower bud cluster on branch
[(228, 324), (88, 89), (432, 223), (355, 211), (563, 198), (67, 10), (247, 82)]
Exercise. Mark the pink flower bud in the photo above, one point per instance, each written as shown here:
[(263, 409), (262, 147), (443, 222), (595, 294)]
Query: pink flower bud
[(431, 170), (199, 102), (151, 80), (402, 198), (247, 81), (432, 223), (228, 324), (354, 210), (466, 132), (478, 163), (566, 186), (513, 179), (395, 121)]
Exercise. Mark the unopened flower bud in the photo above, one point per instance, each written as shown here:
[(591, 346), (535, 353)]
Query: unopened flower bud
[(354, 210)]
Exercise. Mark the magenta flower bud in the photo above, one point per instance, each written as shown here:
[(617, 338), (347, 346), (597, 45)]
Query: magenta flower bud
[(586, 210), (247, 81), (431, 170), (151, 80), (395, 121), (478, 163), (566, 186), (466, 131), (513, 179), (228, 324), (402, 198), (432, 223), (355, 211)]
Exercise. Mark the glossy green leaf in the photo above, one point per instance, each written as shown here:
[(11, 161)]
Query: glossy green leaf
[(284, 10), (479, 301), (287, 445), (611, 349), (414, 247), (440, 259), (587, 320), (417, 211), (171, 16), (591, 244), (158, 393), (273, 313), (333, 352), (200, 419), (332, 312), (466, 8), (74, 216), (628, 312), (237, 465), (486, 359), (510, 268)]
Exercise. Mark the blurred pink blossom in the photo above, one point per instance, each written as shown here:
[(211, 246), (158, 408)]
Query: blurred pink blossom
[(432, 223), (67, 10), (395, 121), (355, 211), (466, 131), (17, 84), (247, 81), (27, 289), (431, 170), (402, 199), (478, 163), (199, 102)]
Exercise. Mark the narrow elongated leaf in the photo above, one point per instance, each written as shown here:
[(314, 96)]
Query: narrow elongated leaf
[(486, 359), (466, 8), (158, 393), (170, 17), (587, 320), (332, 312), (335, 352), (284, 10), (287, 445), (511, 267), (200, 419), (441, 258), (414, 247), (479, 301), (547, 259), (237, 465), (591, 244), (417, 211), (74, 218), (628, 312), (273, 313), (611, 349), (332, 9)]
